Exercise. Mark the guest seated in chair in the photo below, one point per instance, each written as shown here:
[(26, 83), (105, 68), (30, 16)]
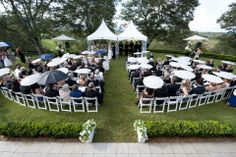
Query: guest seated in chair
[(52, 91), (185, 88), (91, 92), (64, 92), (199, 88), (75, 92), (173, 87)]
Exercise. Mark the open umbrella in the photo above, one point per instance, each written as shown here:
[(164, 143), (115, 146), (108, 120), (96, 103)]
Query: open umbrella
[(142, 60), (46, 56), (174, 64), (36, 61), (30, 80), (101, 52), (187, 75), (195, 38), (204, 67), (4, 71), (185, 67), (83, 71), (224, 75), (145, 66), (199, 61), (64, 70), (212, 78), (4, 44), (228, 62), (51, 77), (185, 58), (133, 67), (132, 59), (153, 82), (56, 62)]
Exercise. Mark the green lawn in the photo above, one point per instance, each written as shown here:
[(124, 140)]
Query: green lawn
[(118, 112)]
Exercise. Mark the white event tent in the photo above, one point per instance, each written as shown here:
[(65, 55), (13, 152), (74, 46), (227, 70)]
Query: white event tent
[(63, 38), (131, 33), (103, 33), (195, 38)]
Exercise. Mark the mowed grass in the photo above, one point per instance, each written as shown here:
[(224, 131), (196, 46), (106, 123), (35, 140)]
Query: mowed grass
[(118, 112)]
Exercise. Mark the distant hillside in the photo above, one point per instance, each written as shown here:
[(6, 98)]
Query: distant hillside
[(210, 34)]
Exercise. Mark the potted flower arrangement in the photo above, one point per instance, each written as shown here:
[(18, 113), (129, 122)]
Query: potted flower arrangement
[(87, 133), (141, 129)]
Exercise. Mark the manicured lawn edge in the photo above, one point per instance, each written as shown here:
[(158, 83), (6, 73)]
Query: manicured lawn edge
[(205, 54), (37, 129), (186, 128)]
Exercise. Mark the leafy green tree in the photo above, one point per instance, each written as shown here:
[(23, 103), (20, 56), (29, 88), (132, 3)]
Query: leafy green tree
[(228, 19), (160, 18), (83, 17), (32, 17)]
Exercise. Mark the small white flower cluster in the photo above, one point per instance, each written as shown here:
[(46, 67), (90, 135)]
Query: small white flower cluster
[(139, 125), (88, 127)]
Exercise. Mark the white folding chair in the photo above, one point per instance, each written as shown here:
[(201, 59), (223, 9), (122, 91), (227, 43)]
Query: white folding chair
[(194, 101), (30, 101), (139, 90), (53, 103), (78, 104), (145, 103), (90, 102), (172, 104), (7, 93), (41, 103), (211, 97), (203, 98), (228, 92), (219, 95), (184, 102), (159, 104), (65, 104), (20, 99)]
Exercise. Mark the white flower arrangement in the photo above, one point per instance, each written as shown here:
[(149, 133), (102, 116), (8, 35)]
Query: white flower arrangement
[(88, 129), (141, 129)]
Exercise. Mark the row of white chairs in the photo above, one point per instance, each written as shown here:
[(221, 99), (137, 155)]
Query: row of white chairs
[(55, 104), (176, 103)]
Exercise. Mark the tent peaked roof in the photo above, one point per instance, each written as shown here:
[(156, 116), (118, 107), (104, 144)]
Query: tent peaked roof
[(196, 37), (103, 32), (131, 33), (63, 37)]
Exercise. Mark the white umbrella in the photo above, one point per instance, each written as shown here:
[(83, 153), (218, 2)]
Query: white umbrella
[(187, 75), (169, 56), (145, 66), (224, 75), (83, 71), (3, 44), (199, 61), (175, 59), (228, 62), (64, 70), (185, 58), (137, 53), (133, 67), (153, 82), (30, 80), (185, 67), (36, 61), (132, 59), (4, 71), (201, 66), (56, 62), (229, 74), (142, 60), (183, 62), (212, 78), (63, 38), (85, 52), (174, 64), (65, 55), (195, 38)]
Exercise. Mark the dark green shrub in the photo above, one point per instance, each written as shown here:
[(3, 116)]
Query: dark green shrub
[(36, 129), (188, 128), (205, 54)]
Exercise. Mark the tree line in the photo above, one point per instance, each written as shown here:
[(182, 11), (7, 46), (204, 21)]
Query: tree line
[(27, 22)]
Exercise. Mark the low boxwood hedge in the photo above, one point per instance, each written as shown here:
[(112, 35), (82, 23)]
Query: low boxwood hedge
[(204, 54), (37, 129), (188, 128)]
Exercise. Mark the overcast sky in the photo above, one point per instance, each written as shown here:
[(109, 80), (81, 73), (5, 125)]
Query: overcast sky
[(207, 13)]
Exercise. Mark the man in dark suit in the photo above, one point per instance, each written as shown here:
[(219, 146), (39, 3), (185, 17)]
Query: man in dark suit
[(173, 87), (199, 89), (51, 91)]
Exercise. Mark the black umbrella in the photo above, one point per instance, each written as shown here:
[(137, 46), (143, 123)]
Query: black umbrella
[(51, 77)]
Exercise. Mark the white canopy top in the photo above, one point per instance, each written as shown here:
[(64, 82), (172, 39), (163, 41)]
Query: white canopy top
[(195, 38), (103, 32), (63, 37), (131, 33)]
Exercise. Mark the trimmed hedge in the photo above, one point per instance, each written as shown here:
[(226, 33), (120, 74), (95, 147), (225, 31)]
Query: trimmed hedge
[(188, 128), (36, 129), (204, 54)]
